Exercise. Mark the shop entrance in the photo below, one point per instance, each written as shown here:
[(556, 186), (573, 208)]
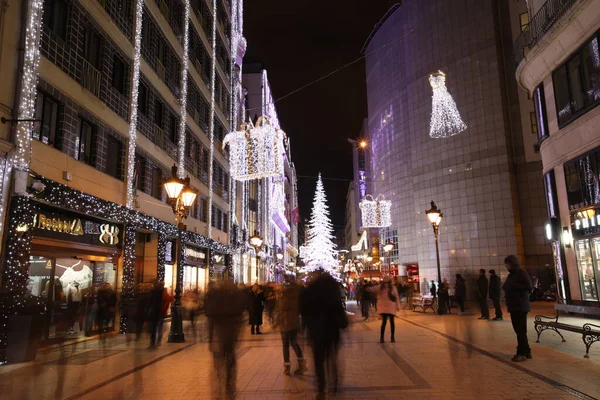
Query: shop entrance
[(588, 262), (79, 294)]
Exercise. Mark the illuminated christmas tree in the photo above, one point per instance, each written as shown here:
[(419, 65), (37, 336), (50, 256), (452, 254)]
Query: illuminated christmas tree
[(319, 251)]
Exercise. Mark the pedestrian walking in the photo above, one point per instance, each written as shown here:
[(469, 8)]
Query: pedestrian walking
[(158, 308), (256, 300), (365, 300), (323, 315), (444, 295), (517, 288), (351, 291), (224, 306), (495, 292), (460, 292), (388, 300), (433, 289), (107, 302), (482, 294), (288, 313)]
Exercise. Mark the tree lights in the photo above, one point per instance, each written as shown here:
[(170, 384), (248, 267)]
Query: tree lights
[(211, 127), (445, 118), (256, 151), (320, 252), (376, 213), (184, 86)]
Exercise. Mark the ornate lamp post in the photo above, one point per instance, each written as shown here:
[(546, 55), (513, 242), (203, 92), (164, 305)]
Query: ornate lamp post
[(435, 216), (181, 197), (256, 241), (389, 246)]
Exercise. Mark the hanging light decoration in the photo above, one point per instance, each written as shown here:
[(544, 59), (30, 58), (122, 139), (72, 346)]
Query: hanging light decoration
[(445, 118), (376, 213), (256, 151)]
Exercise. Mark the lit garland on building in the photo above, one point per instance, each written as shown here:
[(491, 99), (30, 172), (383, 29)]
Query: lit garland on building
[(445, 118), (161, 258), (211, 127), (376, 213), (184, 89), (256, 152), (135, 81), (31, 61), (128, 278)]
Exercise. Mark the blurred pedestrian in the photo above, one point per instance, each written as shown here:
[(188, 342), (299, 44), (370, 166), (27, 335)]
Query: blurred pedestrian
[(158, 308), (517, 288), (256, 300), (107, 302), (433, 289), (288, 313), (444, 295), (351, 291), (495, 292), (270, 301), (224, 306), (482, 294), (365, 300), (460, 292), (387, 298), (324, 316)]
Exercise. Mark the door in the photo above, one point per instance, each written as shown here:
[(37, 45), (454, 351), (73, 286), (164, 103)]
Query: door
[(588, 259)]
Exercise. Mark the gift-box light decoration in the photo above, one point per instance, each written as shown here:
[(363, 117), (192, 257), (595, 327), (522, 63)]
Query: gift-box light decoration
[(376, 213), (445, 118), (256, 151)]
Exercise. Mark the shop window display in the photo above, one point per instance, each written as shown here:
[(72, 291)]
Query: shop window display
[(588, 259)]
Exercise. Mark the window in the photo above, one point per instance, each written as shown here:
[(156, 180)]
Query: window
[(524, 21), (46, 110), (140, 172), (118, 74), (173, 129), (87, 142), (539, 103), (219, 221), (146, 33), (577, 83), (204, 210), (55, 17), (551, 195), (213, 217), (143, 99), (158, 113), (533, 122), (91, 51), (157, 183), (225, 223), (114, 157), (205, 162)]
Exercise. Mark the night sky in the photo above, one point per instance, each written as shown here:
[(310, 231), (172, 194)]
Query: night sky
[(298, 42)]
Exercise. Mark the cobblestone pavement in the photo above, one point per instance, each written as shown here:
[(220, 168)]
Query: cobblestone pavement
[(434, 357)]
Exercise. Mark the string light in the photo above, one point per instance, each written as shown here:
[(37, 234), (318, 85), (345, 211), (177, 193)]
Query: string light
[(4, 172), (184, 88), (135, 82), (376, 213), (319, 251), (445, 118), (29, 81), (211, 128)]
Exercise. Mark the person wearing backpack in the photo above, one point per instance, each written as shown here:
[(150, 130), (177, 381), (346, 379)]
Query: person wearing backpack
[(388, 303)]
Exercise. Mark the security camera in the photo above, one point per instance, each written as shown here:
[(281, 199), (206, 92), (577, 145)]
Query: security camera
[(38, 186)]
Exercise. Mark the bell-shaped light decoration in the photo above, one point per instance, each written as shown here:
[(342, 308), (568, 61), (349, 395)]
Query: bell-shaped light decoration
[(256, 151), (376, 213), (445, 118)]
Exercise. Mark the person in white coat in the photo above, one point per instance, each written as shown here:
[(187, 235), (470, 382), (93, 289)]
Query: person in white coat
[(387, 305)]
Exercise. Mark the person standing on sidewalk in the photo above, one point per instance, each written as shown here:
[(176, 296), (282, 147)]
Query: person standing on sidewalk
[(495, 291), (256, 300), (482, 294), (288, 313), (517, 288), (387, 298), (460, 292), (365, 300)]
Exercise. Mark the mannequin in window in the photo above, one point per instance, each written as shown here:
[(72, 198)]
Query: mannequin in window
[(74, 297)]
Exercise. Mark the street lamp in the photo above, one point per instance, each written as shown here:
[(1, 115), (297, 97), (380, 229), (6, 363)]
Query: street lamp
[(279, 256), (256, 241), (389, 246), (435, 216), (181, 197)]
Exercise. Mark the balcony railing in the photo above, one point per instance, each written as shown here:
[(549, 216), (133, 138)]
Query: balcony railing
[(91, 78), (160, 70), (539, 25), (164, 8)]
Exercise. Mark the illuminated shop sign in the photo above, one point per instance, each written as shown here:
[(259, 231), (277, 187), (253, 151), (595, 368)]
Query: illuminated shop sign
[(586, 222), (90, 232), (69, 226), (194, 256)]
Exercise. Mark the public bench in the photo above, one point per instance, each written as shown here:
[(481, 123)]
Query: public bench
[(590, 332), (424, 302)]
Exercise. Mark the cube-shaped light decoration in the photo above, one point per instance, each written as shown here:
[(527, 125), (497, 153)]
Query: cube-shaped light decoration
[(256, 151), (376, 213)]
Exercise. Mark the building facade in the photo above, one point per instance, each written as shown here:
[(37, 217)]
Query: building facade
[(485, 179), (565, 85), (113, 93), (273, 211)]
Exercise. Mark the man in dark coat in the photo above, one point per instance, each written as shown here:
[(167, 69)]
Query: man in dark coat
[(256, 301), (495, 291), (460, 292), (482, 294), (517, 288), (323, 315)]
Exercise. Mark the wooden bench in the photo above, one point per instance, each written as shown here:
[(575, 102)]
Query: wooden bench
[(590, 332), (424, 302)]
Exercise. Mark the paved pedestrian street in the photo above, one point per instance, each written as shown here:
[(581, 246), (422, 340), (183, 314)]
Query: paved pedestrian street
[(448, 357)]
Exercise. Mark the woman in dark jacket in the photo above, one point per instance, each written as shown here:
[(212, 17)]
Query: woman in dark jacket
[(256, 300), (460, 292)]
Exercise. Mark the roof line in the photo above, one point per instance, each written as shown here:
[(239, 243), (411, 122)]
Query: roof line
[(378, 25)]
